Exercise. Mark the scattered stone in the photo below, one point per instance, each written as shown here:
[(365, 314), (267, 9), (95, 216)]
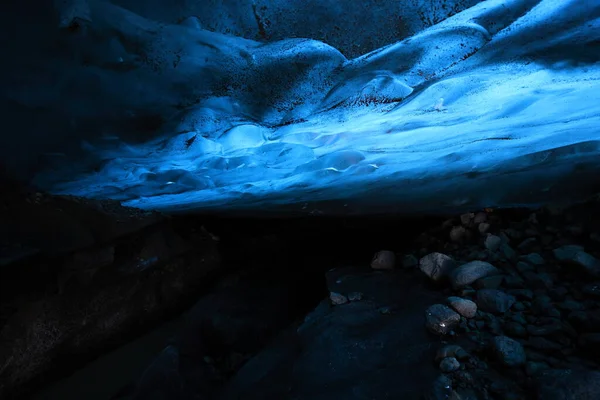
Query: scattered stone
[(337, 299), (508, 252), (541, 343), (449, 364), (355, 296), (468, 273), (521, 294), (495, 301), (538, 280), (527, 244), (514, 282), (576, 255), (489, 282), (519, 306), (483, 228), (534, 368), (458, 234), (480, 217), (508, 351), (441, 320), (515, 329), (570, 305), (523, 267), (451, 350), (464, 307), (437, 266), (384, 259), (467, 218), (592, 289), (492, 242), (534, 258), (569, 385), (441, 389), (410, 261)]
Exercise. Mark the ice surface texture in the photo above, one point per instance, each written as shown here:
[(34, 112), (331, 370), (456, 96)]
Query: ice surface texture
[(496, 105)]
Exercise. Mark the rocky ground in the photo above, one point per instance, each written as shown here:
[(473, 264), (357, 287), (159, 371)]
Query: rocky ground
[(494, 304)]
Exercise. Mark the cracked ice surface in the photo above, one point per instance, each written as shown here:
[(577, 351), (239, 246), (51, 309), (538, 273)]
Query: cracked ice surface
[(497, 105)]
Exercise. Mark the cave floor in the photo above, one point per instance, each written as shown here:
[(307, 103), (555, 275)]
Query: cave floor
[(494, 304)]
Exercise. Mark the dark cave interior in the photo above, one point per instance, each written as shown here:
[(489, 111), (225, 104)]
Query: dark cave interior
[(273, 199)]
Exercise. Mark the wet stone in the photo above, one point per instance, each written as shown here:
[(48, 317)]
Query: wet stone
[(508, 351), (449, 364), (441, 320), (468, 273), (464, 307), (495, 301)]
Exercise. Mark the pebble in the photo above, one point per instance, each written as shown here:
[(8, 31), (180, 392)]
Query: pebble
[(441, 320), (355, 296), (384, 259), (437, 266), (541, 343), (410, 261), (515, 329), (464, 307), (480, 217), (337, 298), (495, 301), (492, 242), (458, 234), (449, 364), (489, 282), (508, 351), (468, 273), (534, 258), (483, 228)]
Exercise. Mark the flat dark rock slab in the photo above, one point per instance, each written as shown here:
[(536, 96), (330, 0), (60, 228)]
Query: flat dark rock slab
[(375, 348)]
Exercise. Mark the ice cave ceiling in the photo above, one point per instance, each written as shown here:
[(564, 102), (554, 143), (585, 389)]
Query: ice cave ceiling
[(373, 105)]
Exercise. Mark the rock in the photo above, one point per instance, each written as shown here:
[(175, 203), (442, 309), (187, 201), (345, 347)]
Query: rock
[(534, 259), (544, 330), (495, 301), (468, 273), (508, 252), (449, 364), (337, 299), (464, 307), (541, 343), (384, 259), (568, 385), (483, 228), (437, 266), (534, 368), (508, 351), (441, 320), (467, 218), (451, 350), (458, 234), (521, 294), (355, 296), (515, 329), (479, 218), (570, 305), (575, 255), (489, 282), (410, 261), (527, 244), (592, 289), (441, 388), (523, 267), (492, 242), (538, 280), (514, 282)]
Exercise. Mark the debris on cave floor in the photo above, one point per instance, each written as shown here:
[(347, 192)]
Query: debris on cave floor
[(498, 304)]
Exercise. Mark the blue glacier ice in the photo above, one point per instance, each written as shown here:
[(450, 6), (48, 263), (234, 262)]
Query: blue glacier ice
[(494, 104)]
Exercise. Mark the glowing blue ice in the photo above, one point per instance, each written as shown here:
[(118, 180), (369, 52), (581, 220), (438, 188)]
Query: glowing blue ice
[(495, 105)]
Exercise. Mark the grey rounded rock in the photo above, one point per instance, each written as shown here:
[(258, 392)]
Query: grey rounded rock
[(493, 242), (337, 298), (464, 307), (436, 265), (508, 351), (384, 259), (494, 301), (468, 273), (441, 320), (449, 364)]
